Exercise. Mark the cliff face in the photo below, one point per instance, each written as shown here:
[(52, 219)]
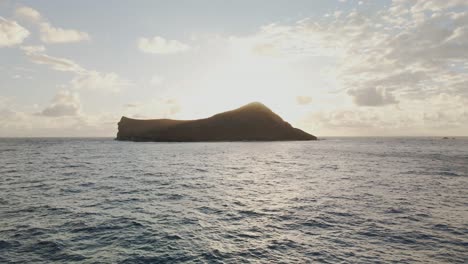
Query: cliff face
[(253, 122)]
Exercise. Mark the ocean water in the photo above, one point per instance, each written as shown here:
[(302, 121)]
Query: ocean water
[(338, 200)]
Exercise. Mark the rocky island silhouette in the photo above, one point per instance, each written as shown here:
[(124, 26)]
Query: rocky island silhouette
[(252, 122)]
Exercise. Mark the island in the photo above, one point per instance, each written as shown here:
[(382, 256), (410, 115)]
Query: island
[(252, 122)]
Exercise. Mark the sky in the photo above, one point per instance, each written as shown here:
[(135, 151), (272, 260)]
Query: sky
[(331, 67)]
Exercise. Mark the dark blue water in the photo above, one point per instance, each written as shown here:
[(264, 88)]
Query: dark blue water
[(354, 200)]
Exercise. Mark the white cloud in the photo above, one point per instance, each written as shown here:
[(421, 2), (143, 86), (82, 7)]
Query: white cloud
[(447, 115), (156, 80), (132, 105), (430, 5), (372, 96), (63, 116), (155, 108), (11, 120), (25, 124), (385, 56), (159, 45), (173, 106), (50, 34), (11, 33), (28, 13), (58, 64), (65, 103), (93, 80), (282, 41), (5, 101), (84, 79), (303, 100), (33, 49)]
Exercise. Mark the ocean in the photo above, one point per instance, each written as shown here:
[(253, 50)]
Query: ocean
[(337, 200)]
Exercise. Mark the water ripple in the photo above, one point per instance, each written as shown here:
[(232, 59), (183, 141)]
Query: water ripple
[(330, 201)]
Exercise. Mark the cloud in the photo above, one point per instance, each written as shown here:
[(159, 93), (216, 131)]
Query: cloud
[(28, 13), (409, 54), (25, 124), (132, 105), (58, 64), (11, 33), (282, 41), (5, 101), (430, 5), (156, 80), (303, 100), (409, 50), (155, 108), (93, 80), (49, 33), (65, 103), (62, 117), (173, 106), (84, 79), (445, 116), (159, 45), (372, 96), (33, 49), (11, 120), (8, 115)]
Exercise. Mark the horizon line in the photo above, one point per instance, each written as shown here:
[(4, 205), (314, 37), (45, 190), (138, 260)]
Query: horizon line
[(370, 136)]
